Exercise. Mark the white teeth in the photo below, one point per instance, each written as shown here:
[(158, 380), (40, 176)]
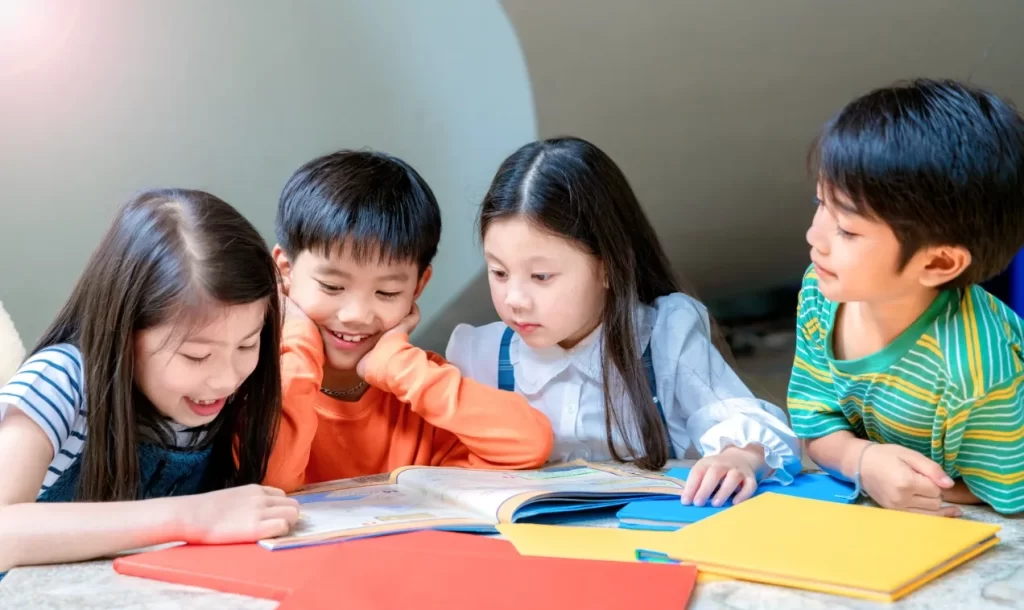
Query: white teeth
[(351, 338), (204, 402)]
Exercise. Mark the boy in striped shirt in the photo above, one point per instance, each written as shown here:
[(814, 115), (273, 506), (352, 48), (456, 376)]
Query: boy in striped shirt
[(908, 375)]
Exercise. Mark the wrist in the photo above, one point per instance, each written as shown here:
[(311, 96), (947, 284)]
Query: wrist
[(850, 462), (753, 454), (178, 518)]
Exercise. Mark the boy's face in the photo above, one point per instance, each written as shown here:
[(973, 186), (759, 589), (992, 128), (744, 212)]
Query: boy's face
[(352, 304), (857, 258)]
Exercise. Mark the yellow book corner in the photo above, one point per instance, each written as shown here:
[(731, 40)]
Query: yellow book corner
[(875, 554), (595, 543)]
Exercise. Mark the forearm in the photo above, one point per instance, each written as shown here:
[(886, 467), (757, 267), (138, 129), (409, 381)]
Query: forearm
[(301, 375), (499, 428), (39, 533), (837, 453), (960, 494)]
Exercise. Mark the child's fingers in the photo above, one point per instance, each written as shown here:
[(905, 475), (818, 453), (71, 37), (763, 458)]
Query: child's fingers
[(747, 489), (943, 511), (692, 483), (929, 504), (927, 468), (707, 486), (288, 513), (271, 528), (729, 484)]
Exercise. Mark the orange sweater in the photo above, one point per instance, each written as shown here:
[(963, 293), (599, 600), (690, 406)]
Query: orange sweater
[(418, 411)]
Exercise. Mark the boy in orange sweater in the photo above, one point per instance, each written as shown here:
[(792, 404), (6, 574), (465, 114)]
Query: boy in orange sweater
[(356, 234)]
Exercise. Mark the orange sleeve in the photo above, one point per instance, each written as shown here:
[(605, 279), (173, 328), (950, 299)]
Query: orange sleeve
[(499, 429), (302, 365)]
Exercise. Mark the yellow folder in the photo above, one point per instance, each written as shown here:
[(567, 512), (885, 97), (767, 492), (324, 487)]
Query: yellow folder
[(855, 551), (597, 543)]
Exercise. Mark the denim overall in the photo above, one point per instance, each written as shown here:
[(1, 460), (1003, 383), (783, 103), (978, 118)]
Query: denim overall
[(163, 472), (507, 378)]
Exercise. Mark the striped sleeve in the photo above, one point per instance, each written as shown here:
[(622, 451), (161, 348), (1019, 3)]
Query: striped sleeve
[(813, 404), (48, 389), (985, 441)]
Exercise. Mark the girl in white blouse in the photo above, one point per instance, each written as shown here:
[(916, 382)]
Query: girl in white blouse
[(597, 334)]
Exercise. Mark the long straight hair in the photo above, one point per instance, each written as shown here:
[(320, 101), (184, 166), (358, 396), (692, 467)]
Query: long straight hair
[(570, 188), (171, 256)]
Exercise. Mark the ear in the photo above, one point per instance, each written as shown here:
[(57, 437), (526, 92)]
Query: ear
[(943, 264), (602, 272), (284, 267), (422, 283)]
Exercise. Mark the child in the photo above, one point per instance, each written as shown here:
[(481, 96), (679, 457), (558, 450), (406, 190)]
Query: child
[(162, 364), (599, 336), (907, 377), (356, 235)]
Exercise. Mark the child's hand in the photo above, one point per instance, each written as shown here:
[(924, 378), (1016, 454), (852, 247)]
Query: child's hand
[(901, 478), (734, 468), (239, 514), (405, 327), (959, 493)]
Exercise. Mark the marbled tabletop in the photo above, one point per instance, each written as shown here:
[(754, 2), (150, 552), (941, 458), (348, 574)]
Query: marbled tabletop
[(993, 580)]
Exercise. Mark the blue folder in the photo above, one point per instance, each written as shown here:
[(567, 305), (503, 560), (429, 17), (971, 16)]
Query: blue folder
[(670, 514)]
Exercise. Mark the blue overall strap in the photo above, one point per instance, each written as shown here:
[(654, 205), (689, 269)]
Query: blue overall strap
[(506, 374), (652, 381)]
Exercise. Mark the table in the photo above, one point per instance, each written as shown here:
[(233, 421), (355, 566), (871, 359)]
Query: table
[(994, 580)]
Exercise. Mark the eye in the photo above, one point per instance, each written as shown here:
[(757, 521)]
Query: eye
[(388, 295), (844, 233), (542, 277), (498, 273), (249, 348), (329, 287), (196, 359)]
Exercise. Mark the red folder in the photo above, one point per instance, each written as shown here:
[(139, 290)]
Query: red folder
[(423, 570)]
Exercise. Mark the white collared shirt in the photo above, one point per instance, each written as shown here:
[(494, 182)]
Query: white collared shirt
[(706, 405)]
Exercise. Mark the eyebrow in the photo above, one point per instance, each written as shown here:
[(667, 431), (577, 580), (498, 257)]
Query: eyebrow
[(532, 259), (397, 276), (202, 341)]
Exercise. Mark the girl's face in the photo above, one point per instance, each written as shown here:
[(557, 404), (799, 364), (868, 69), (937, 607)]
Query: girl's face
[(542, 285), (189, 379)]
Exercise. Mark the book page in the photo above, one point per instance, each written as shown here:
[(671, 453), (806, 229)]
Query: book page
[(496, 494), (348, 511)]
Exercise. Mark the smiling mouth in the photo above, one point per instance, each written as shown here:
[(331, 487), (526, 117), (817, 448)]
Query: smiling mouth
[(349, 337), (205, 403)]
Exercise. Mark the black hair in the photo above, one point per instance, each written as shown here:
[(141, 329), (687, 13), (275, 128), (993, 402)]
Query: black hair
[(940, 162), (371, 202), (570, 188), (171, 256)]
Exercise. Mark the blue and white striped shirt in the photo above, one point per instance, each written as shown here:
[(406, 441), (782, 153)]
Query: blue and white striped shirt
[(50, 389)]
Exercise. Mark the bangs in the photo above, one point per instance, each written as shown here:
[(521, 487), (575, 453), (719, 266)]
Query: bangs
[(194, 309)]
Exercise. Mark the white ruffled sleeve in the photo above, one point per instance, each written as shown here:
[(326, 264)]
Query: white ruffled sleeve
[(712, 404)]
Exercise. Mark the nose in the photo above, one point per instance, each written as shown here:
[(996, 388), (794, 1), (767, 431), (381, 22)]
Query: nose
[(816, 233), (516, 298), (225, 379), (355, 314)]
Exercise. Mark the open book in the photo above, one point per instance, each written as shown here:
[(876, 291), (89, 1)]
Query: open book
[(459, 499)]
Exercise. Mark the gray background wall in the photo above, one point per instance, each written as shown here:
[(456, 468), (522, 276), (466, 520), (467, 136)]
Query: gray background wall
[(99, 98), (708, 105)]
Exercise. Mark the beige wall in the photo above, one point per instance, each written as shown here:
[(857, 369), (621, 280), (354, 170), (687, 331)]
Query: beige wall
[(100, 98), (709, 107)]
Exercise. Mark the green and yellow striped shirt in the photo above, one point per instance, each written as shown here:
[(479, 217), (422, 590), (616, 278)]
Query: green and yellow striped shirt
[(949, 387)]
